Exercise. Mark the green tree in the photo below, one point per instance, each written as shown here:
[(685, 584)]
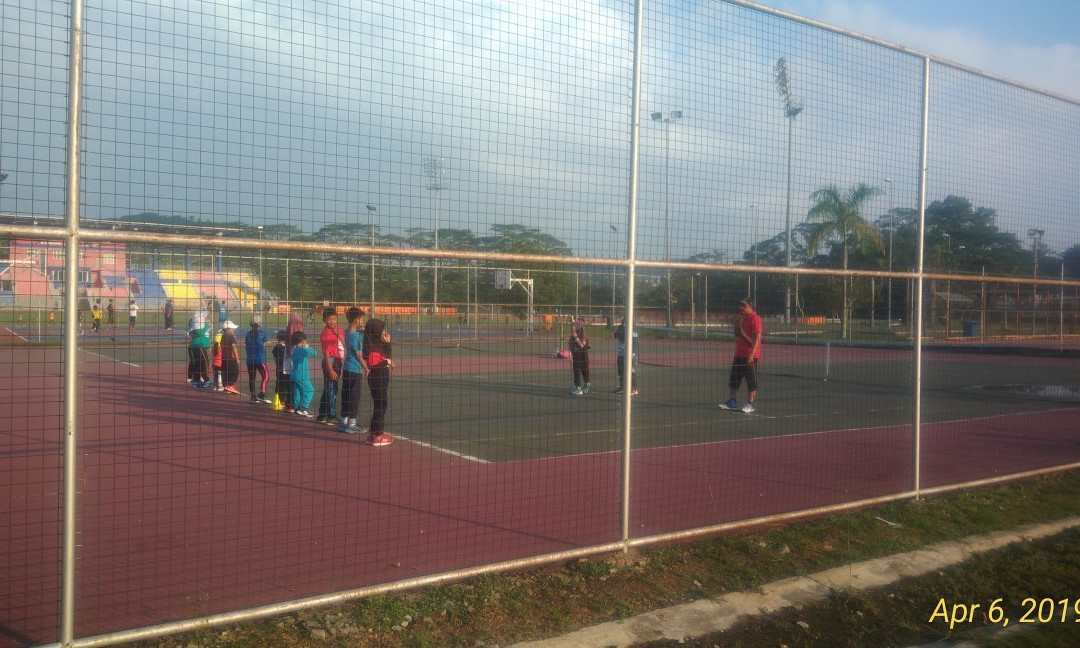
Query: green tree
[(838, 215)]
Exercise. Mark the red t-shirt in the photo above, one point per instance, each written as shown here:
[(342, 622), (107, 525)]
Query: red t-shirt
[(333, 343), (749, 327)]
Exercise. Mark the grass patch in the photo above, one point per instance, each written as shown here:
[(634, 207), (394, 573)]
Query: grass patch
[(906, 614), (559, 598)]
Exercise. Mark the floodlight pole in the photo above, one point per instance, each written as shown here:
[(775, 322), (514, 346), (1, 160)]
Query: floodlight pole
[(615, 252), (433, 167), (753, 212), (1036, 235), (667, 121), (371, 224), (892, 226), (791, 110), (261, 288)]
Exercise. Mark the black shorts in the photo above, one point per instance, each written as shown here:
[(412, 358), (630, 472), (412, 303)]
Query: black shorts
[(742, 367)]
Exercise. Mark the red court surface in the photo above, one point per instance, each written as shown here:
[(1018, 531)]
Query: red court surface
[(187, 505)]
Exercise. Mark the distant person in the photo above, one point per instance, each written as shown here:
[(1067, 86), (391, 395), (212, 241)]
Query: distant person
[(230, 358), (201, 335), (282, 382), (110, 311), (255, 357), (303, 390), (295, 325), (620, 356), (133, 314), (579, 357), (169, 313), (332, 342), (353, 370), (747, 354), (194, 354), (95, 316), (223, 312), (376, 353), (215, 351)]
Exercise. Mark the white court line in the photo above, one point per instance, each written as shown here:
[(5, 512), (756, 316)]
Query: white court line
[(103, 357), (444, 450), (16, 334), (797, 434)]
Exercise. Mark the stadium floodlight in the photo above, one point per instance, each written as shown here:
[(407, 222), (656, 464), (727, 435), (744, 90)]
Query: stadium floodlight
[(434, 170), (791, 109), (667, 121)]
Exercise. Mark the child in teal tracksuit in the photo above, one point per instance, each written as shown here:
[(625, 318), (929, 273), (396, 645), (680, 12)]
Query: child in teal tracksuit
[(303, 390)]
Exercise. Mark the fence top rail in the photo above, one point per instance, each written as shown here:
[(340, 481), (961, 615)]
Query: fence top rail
[(59, 233), (810, 22)]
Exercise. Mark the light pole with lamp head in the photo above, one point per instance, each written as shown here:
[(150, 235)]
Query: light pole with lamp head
[(261, 287), (791, 110), (892, 227), (667, 121), (1036, 235), (371, 224), (615, 253), (753, 212), (433, 168)]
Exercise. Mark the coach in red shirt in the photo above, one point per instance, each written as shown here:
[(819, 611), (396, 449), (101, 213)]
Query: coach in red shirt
[(747, 353)]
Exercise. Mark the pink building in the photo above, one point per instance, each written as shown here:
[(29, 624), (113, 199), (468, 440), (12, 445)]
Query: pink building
[(36, 272)]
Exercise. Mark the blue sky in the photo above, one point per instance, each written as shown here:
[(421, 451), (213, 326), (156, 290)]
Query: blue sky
[(303, 113), (1033, 41)]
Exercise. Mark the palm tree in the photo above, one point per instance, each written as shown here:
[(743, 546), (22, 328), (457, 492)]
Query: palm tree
[(839, 213)]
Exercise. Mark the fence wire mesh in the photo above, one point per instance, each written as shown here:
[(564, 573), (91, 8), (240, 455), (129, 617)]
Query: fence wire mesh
[(460, 174)]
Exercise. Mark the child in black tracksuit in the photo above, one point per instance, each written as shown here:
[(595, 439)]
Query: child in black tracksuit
[(282, 384), (376, 354)]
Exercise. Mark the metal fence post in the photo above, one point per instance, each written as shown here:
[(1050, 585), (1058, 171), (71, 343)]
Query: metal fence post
[(916, 423), (71, 305), (631, 253)]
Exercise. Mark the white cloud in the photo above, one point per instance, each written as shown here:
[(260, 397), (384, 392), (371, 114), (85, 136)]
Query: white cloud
[(1055, 68)]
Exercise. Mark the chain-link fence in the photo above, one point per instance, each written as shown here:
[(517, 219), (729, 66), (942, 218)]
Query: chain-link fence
[(555, 225)]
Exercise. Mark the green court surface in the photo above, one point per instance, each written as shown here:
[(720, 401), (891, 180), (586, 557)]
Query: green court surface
[(510, 400)]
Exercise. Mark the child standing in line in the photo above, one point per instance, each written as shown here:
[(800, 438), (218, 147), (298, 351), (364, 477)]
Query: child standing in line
[(353, 369), (579, 355), (283, 384), (230, 358), (255, 353), (620, 357), (332, 342), (296, 324), (95, 315), (303, 390), (215, 350), (376, 353)]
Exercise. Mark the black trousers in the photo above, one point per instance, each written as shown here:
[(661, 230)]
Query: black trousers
[(193, 356), (379, 386), (580, 361), (350, 394)]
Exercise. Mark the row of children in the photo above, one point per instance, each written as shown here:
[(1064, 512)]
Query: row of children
[(347, 356)]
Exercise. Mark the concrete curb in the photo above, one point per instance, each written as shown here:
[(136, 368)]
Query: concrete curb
[(707, 616)]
